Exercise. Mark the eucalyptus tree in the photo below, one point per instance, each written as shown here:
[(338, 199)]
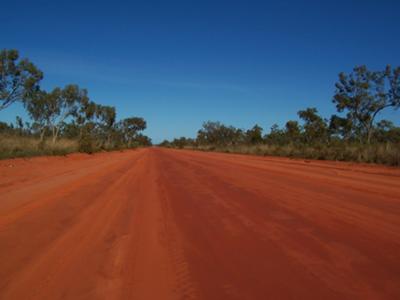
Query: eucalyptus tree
[(254, 135), (107, 117), (19, 79), (130, 128), (85, 115), (363, 94), (292, 131), (51, 110), (39, 111), (275, 135), (177, 142), (387, 132), (342, 128), (144, 140), (216, 133), (315, 128)]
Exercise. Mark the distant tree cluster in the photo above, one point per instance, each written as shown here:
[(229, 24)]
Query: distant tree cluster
[(63, 112), (359, 98)]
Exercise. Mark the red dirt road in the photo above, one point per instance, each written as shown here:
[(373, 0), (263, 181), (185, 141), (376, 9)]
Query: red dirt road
[(169, 224)]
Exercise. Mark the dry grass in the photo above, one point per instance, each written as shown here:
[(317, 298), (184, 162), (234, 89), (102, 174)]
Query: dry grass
[(388, 154), (21, 146)]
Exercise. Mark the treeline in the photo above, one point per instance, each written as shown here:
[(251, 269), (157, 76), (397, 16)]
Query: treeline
[(62, 113), (353, 134)]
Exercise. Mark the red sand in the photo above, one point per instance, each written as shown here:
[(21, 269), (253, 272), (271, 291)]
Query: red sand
[(169, 224)]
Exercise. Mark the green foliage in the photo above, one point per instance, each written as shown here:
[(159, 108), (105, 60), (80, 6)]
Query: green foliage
[(12, 145), (316, 138), (275, 136), (180, 143), (341, 127), (50, 110), (61, 113), (130, 127), (19, 79), (219, 134), (143, 140), (86, 143), (363, 94), (315, 128), (254, 135), (292, 131), (355, 134), (386, 132), (164, 143)]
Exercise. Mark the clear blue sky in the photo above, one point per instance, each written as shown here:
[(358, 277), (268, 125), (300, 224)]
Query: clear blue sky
[(178, 64)]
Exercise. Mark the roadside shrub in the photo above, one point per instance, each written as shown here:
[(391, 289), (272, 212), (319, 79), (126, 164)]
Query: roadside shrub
[(388, 154), (12, 146), (86, 144)]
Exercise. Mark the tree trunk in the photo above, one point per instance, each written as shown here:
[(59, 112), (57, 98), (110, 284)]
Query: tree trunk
[(370, 130), (55, 134), (42, 131), (369, 134)]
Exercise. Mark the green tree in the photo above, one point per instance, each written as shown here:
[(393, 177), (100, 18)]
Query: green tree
[(85, 115), (39, 111), (182, 142), (50, 110), (19, 79), (130, 127), (164, 143), (65, 103), (387, 132), (341, 127), (315, 128), (143, 140), (107, 117), (216, 133), (275, 136), (363, 94), (70, 130), (292, 131), (254, 135)]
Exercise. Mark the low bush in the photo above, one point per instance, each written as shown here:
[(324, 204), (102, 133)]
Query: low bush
[(388, 154), (12, 146)]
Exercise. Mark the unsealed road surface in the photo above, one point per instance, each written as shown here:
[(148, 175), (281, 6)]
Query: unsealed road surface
[(170, 224)]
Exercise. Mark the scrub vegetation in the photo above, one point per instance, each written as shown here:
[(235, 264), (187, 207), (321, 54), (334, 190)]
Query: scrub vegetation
[(62, 120), (355, 133)]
